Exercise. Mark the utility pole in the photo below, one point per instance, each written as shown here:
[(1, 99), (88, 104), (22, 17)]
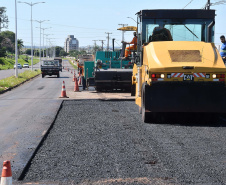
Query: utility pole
[(108, 40), (95, 44), (123, 25), (102, 42), (208, 5)]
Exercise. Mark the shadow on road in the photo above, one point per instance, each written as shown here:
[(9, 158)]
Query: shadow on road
[(191, 119), (56, 77)]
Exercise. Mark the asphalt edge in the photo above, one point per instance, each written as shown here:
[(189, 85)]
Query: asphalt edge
[(27, 166), (11, 88)]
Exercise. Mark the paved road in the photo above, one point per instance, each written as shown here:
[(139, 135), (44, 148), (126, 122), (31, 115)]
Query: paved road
[(11, 72), (26, 113), (105, 142)]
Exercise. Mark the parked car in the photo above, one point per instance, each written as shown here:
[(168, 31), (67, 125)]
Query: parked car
[(26, 66), (19, 66)]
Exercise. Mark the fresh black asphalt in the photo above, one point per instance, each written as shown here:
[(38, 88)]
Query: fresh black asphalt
[(106, 142)]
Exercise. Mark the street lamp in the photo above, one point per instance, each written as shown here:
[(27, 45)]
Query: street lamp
[(43, 40), (52, 47), (16, 57), (40, 41), (31, 4), (46, 43), (133, 19)]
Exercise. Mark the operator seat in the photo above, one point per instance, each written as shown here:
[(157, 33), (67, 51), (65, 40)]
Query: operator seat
[(160, 34)]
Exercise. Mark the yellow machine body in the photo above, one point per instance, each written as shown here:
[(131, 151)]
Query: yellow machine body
[(169, 61), (177, 67)]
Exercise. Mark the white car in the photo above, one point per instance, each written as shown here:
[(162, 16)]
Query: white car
[(19, 66), (26, 66)]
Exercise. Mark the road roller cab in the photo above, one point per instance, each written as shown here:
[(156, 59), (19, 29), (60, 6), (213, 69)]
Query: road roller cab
[(177, 66)]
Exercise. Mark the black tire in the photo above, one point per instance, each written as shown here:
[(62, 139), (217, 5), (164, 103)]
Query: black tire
[(43, 76), (145, 114), (83, 83), (98, 89), (133, 90)]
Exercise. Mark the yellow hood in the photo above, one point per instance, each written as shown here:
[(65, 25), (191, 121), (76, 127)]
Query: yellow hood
[(173, 55)]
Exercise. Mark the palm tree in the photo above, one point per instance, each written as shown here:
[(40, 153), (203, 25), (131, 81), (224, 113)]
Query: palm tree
[(20, 45)]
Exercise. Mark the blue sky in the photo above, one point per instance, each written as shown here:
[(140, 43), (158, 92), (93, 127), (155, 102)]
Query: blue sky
[(88, 20)]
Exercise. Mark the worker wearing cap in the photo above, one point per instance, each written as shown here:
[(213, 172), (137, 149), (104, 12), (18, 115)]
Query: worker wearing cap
[(131, 47), (223, 48)]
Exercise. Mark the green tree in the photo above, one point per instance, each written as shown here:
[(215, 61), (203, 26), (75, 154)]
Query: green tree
[(8, 44), (58, 50), (3, 18), (28, 51), (3, 52), (63, 53), (76, 53), (7, 40), (20, 45), (8, 34)]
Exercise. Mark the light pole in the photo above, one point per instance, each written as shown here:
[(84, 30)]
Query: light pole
[(16, 57), (123, 25), (46, 43), (40, 41), (52, 48), (31, 4), (43, 40), (133, 19)]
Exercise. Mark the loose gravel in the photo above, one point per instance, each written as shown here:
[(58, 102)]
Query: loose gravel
[(106, 142)]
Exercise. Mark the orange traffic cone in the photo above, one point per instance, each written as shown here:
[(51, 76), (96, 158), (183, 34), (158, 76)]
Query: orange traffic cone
[(74, 78), (76, 88), (6, 178), (63, 92)]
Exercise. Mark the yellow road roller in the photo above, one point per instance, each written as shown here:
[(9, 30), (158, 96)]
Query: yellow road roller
[(177, 67)]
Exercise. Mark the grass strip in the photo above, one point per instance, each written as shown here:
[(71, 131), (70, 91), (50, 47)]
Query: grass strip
[(7, 63), (12, 81), (70, 60)]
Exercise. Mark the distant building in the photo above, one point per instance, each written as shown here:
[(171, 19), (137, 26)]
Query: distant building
[(71, 43)]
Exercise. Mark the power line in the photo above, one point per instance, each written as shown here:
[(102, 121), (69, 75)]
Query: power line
[(188, 4)]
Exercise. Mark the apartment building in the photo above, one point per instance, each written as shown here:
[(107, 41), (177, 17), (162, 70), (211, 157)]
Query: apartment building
[(71, 43)]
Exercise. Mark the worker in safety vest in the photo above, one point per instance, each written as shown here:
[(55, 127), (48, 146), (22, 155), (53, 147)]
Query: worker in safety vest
[(223, 48), (131, 47)]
